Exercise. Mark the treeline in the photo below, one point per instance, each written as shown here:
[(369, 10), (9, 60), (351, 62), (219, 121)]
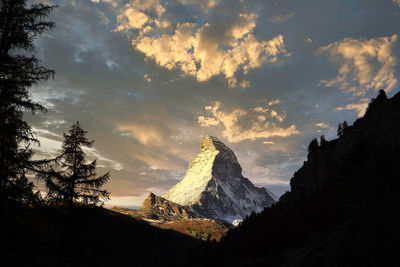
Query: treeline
[(343, 128), (68, 177)]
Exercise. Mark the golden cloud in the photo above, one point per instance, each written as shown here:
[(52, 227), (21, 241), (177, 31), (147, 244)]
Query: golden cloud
[(205, 4), (363, 64), (322, 125), (196, 49), (360, 107), (145, 134), (242, 125)]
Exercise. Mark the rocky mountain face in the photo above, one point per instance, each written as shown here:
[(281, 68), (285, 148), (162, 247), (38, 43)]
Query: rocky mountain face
[(342, 209), (212, 196), (158, 209), (165, 214), (214, 187), (162, 209)]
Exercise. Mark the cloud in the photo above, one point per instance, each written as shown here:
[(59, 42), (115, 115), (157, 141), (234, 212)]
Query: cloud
[(360, 106), (137, 14), (126, 201), (245, 84), (322, 125), (206, 5), (242, 125), (202, 50), (363, 64), (145, 134), (268, 142), (147, 78), (283, 18), (131, 18), (274, 102)]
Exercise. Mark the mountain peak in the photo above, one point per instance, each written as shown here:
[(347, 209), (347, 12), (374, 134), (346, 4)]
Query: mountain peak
[(211, 143), (214, 186)]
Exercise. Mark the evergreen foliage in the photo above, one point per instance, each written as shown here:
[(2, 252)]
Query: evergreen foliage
[(342, 128), (19, 70), (323, 141), (73, 179), (313, 146)]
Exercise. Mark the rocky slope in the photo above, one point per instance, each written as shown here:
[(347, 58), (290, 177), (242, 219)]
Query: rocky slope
[(158, 209), (343, 206), (214, 187), (165, 214)]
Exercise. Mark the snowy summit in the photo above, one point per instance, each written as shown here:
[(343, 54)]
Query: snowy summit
[(214, 186)]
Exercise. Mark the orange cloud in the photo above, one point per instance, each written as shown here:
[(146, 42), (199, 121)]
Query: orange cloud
[(360, 107), (242, 125), (363, 64), (322, 125), (195, 49), (145, 134)]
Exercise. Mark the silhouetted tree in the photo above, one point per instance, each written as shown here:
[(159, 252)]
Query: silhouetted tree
[(19, 70), (313, 146), (381, 95), (340, 130), (75, 180), (342, 127), (377, 101), (323, 140)]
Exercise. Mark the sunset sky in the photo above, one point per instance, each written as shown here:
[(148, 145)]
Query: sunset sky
[(148, 79)]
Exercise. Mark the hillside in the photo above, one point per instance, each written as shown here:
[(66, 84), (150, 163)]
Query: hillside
[(343, 206), (44, 236)]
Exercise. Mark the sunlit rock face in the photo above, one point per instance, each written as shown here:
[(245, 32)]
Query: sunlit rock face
[(214, 186), (159, 208)]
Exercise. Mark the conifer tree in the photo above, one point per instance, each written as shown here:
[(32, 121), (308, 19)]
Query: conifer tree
[(19, 70), (75, 180), (323, 141), (340, 130), (344, 127), (313, 146)]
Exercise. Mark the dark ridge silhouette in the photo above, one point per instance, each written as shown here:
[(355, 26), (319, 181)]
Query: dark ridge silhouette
[(343, 208), (98, 237)]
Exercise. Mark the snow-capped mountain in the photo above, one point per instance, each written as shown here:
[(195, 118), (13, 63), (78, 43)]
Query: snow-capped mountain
[(214, 187)]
